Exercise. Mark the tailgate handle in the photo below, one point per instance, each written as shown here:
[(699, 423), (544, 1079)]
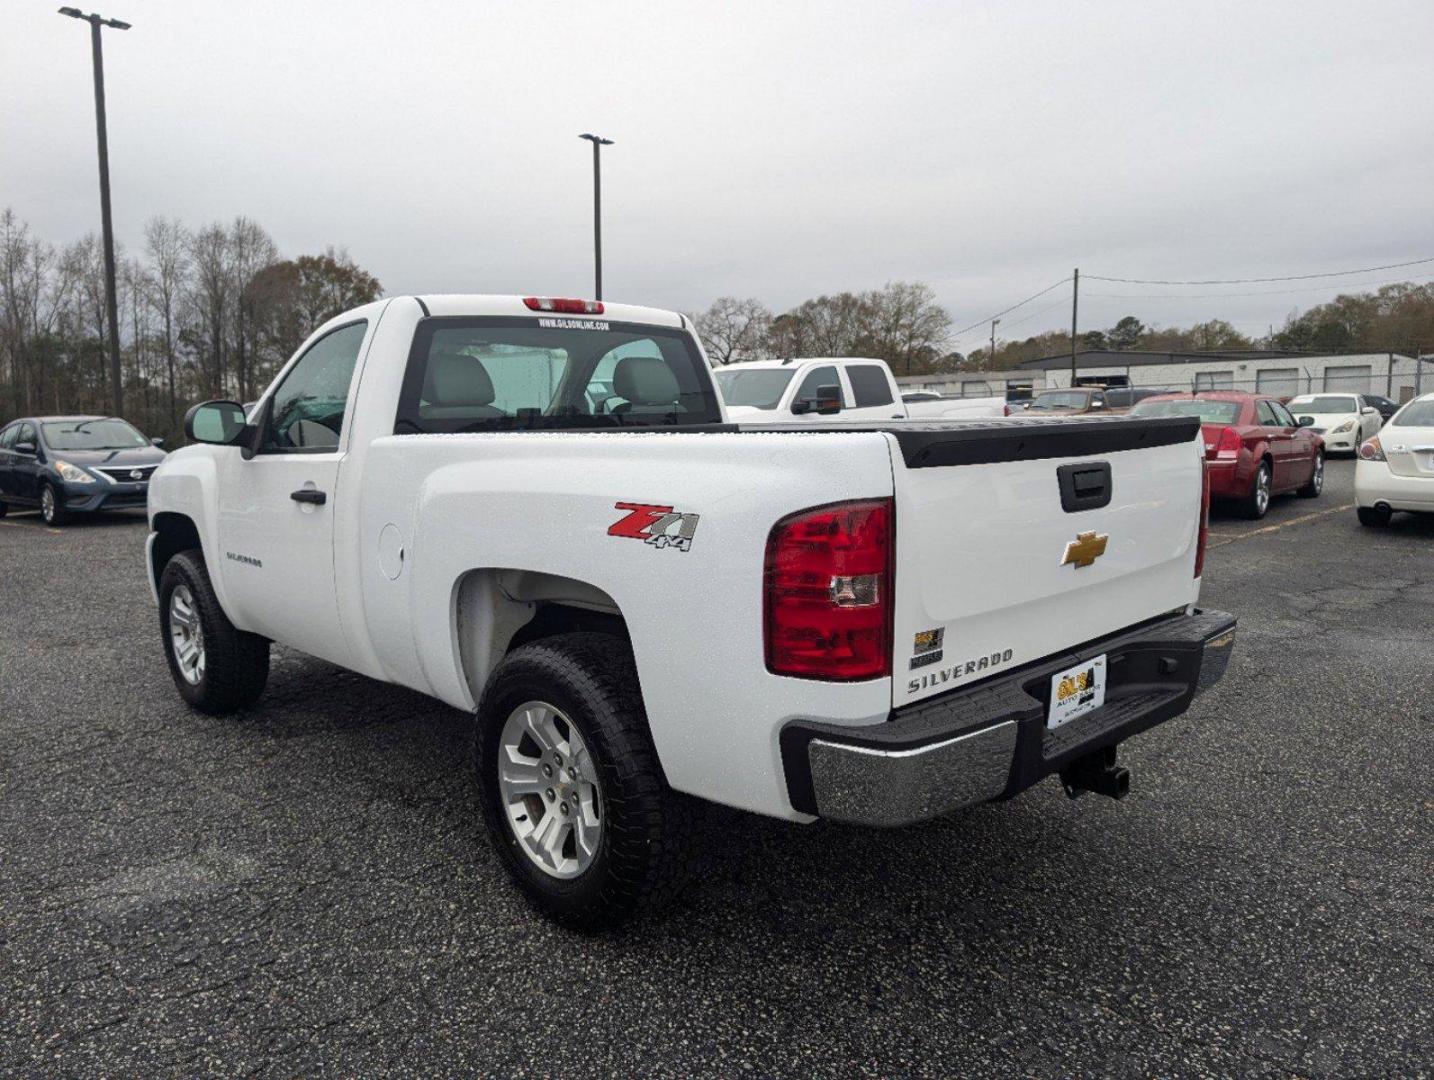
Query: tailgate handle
[(1085, 486)]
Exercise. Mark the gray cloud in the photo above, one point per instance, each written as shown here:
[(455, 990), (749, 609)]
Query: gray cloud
[(774, 150)]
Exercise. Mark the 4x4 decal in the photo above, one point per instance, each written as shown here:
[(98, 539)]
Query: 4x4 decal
[(657, 525)]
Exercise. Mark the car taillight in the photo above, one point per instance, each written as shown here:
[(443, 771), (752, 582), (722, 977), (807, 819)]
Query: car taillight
[(1005, 410), (1227, 448), (1372, 449), (563, 305), (1204, 518), (828, 592)]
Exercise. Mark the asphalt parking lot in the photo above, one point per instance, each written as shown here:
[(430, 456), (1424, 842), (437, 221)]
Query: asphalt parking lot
[(305, 890)]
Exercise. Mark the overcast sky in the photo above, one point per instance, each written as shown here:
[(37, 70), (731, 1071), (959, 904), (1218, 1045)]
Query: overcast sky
[(776, 150)]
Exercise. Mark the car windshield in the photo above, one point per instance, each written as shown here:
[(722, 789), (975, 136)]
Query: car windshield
[(1323, 405), (760, 389), (1070, 399), (1416, 414), (92, 435), (1209, 412)]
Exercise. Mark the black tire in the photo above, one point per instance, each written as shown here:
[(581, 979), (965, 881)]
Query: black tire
[(1374, 517), (645, 849), (3, 509), (1253, 505), (236, 663), (1316, 484), (51, 512)]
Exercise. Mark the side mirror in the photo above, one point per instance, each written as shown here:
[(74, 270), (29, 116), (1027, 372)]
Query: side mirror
[(28, 448), (1305, 421), (1370, 410), (157, 443), (828, 400), (217, 422)]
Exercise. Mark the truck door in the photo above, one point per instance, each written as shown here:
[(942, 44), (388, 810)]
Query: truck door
[(276, 510)]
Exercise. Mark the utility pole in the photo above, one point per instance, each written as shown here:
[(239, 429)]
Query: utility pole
[(598, 143), (102, 136), (1075, 301), (991, 365)]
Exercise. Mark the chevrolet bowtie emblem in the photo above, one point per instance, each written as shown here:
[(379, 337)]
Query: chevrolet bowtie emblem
[(1085, 549)]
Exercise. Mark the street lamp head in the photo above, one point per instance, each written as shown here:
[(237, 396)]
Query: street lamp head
[(74, 13), (597, 139), (116, 24)]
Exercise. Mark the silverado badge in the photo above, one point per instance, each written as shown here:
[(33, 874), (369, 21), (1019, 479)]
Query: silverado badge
[(1084, 549)]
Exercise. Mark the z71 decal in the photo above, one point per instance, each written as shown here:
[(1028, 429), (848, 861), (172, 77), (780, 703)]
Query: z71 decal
[(655, 525)]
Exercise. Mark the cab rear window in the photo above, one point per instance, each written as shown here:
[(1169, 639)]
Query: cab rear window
[(505, 374)]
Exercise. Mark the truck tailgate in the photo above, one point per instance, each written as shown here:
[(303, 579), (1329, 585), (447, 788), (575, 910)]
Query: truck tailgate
[(1018, 539)]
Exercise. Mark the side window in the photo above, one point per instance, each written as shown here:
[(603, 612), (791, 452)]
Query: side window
[(9, 436), (1266, 415), (816, 378), (309, 404), (1282, 415), (869, 386), (26, 433)]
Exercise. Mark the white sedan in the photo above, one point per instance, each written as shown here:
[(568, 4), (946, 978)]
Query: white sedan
[(1343, 419), (1395, 470)]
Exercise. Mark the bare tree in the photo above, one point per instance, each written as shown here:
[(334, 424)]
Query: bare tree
[(733, 330), (211, 288), (250, 250), (167, 245)]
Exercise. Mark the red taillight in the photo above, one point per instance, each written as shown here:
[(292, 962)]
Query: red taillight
[(1372, 449), (1005, 410), (828, 592), (1204, 518), (1228, 446), (563, 305)]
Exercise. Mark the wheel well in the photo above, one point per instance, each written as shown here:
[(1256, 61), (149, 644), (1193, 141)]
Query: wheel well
[(173, 533), (497, 611)]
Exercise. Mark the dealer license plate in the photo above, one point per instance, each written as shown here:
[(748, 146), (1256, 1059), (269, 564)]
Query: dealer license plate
[(1077, 691)]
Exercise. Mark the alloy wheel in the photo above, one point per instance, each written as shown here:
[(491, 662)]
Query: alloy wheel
[(1262, 489), (549, 788), (186, 635), (47, 505), (1319, 473)]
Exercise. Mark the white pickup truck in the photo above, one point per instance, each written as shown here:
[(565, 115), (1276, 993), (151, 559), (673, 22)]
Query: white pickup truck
[(818, 389), (535, 510)]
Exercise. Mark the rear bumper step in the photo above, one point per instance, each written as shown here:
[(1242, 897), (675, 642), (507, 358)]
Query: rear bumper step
[(990, 741)]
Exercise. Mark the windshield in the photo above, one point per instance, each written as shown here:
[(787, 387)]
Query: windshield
[(1415, 414), (1069, 399), (1323, 405), (547, 374), (92, 435), (761, 388), (1209, 412)]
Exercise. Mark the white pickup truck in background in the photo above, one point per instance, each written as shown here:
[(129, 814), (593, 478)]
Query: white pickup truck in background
[(816, 389), (536, 510)]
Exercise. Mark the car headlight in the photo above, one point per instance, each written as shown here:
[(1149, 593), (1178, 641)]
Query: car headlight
[(72, 474), (1348, 425)]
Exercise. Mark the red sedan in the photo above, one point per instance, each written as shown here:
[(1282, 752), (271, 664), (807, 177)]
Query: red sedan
[(1254, 447)]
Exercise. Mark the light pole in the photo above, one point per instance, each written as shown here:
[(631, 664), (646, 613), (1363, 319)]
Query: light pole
[(598, 143), (992, 357), (111, 304)]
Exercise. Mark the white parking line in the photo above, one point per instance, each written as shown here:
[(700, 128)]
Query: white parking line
[(1230, 538)]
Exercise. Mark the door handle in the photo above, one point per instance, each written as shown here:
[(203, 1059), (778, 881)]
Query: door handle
[(309, 495)]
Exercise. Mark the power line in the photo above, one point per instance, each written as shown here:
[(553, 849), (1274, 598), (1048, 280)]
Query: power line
[(1013, 307), (1250, 292), (1062, 302), (1257, 280)]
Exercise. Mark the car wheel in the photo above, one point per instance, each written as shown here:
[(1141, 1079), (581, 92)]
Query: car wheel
[(50, 509), (3, 509), (1374, 517), (1316, 484), (217, 667), (1257, 503), (572, 792)]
